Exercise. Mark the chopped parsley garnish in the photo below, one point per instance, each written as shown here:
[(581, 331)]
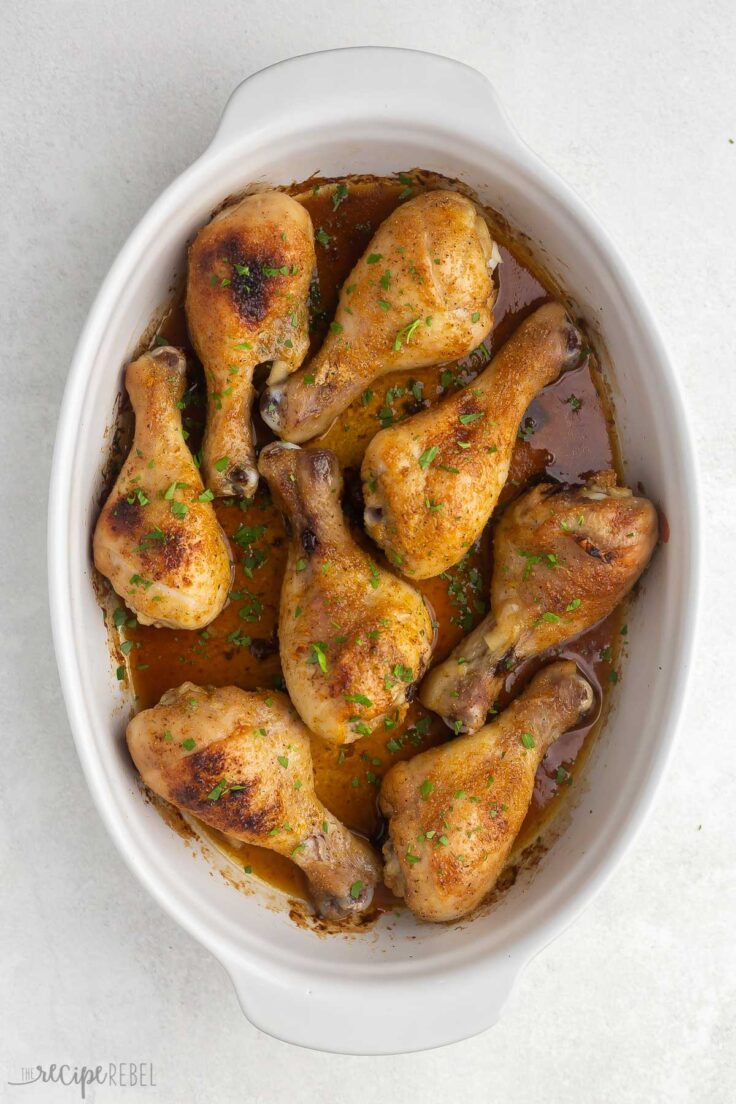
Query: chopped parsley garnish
[(216, 793), (319, 657), (405, 334), (339, 195), (428, 456), (361, 699)]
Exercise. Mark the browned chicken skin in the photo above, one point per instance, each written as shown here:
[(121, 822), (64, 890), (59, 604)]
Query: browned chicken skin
[(421, 294), (246, 303), (354, 639), (431, 482), (157, 538), (564, 558), (241, 762), (454, 811)]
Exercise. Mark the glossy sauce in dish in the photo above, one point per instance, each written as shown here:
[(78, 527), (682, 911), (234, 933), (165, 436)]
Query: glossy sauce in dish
[(568, 431)]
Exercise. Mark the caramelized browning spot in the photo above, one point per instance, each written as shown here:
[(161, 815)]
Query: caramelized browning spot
[(126, 515), (591, 550), (167, 554), (252, 280)]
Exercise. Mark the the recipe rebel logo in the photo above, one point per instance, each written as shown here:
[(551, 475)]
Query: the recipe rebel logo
[(117, 1075)]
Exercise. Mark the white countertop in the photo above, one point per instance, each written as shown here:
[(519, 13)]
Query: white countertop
[(101, 104)]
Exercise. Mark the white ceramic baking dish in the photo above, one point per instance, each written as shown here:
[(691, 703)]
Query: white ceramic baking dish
[(401, 986)]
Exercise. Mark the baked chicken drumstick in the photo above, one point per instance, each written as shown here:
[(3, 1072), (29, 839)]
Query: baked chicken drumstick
[(564, 557), (354, 639), (246, 303), (241, 762), (431, 482), (422, 293), (454, 811), (157, 538)]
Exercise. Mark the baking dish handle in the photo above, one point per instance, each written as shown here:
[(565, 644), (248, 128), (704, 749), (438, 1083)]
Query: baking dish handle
[(382, 1013), (375, 84)]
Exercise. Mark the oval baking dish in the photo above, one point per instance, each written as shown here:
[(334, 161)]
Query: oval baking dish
[(376, 991)]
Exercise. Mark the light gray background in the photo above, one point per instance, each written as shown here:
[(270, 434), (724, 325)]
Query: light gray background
[(102, 104)]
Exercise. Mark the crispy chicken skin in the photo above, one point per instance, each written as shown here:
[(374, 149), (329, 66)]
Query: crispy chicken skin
[(157, 542), (454, 811), (422, 293), (241, 762), (431, 482), (354, 639), (246, 303), (564, 558)]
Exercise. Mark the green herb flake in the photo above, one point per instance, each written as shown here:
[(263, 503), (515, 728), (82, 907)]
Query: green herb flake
[(405, 334), (360, 699), (426, 788), (318, 656), (428, 456), (216, 793), (339, 195)]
